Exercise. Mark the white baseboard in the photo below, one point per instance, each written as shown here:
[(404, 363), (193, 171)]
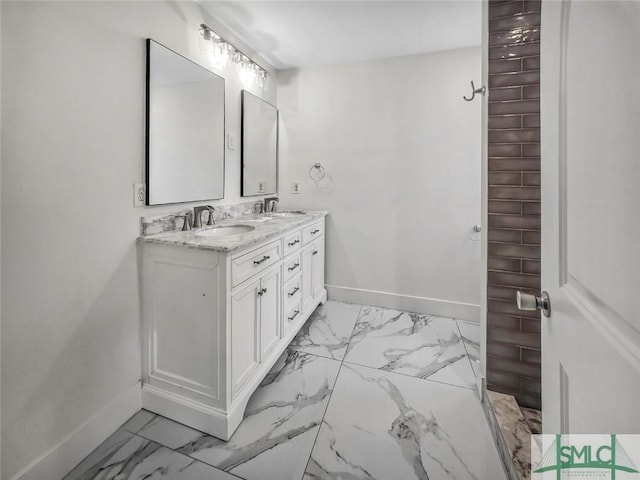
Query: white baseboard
[(408, 303), (71, 450)]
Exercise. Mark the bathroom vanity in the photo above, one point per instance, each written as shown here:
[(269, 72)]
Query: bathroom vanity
[(218, 310)]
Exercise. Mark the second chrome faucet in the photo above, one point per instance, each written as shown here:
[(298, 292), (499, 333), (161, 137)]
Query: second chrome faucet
[(197, 215), (271, 204)]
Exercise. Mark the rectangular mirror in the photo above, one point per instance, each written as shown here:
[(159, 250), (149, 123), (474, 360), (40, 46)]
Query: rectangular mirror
[(259, 146), (185, 129)]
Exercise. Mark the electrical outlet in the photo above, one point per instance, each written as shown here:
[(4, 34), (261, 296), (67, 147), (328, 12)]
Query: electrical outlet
[(296, 187), (139, 194)]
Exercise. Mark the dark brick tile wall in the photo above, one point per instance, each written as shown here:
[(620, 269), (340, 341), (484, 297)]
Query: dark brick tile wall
[(513, 336)]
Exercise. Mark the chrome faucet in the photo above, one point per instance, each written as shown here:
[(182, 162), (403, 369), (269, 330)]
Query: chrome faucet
[(186, 226), (211, 220), (197, 215), (271, 204), (258, 207)]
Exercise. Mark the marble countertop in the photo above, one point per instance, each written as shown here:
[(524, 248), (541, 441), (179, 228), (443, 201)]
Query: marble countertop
[(266, 227)]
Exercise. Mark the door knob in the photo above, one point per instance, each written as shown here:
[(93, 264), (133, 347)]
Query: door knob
[(529, 302)]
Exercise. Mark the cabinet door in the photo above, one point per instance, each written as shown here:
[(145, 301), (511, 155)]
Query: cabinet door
[(317, 268), (245, 313), (270, 307), (307, 278)]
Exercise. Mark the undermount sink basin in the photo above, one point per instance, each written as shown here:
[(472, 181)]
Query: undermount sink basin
[(226, 231), (258, 219), (291, 213)]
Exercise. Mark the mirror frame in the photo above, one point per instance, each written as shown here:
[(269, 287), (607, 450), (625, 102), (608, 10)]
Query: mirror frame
[(148, 127), (243, 189)]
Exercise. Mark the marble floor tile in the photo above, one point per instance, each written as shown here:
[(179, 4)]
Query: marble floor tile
[(418, 345), (140, 459), (471, 337), (92, 463), (138, 421), (328, 330), (384, 426), (170, 434), (281, 422)]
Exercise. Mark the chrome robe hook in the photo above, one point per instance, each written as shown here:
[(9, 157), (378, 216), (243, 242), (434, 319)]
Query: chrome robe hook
[(482, 90)]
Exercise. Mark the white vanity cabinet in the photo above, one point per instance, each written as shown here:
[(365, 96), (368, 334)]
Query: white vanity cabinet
[(215, 321)]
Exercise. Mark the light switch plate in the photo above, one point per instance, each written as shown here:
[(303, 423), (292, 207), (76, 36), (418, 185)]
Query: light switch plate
[(296, 187), (139, 194)]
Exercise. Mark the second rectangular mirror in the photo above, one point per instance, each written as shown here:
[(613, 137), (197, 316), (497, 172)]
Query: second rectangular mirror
[(259, 146)]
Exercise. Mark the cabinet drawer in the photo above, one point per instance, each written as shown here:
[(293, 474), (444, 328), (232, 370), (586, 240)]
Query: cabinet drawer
[(312, 231), (291, 266), (293, 315), (292, 293), (292, 242), (246, 265)]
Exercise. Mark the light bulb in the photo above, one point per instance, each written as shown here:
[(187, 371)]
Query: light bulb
[(206, 45), (206, 32), (246, 71), (223, 53)]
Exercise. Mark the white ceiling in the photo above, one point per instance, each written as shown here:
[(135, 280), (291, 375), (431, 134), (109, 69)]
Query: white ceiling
[(302, 33)]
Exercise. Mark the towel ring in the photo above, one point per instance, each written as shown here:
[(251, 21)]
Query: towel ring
[(316, 172)]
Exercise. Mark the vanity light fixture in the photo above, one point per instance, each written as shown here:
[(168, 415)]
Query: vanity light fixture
[(224, 53)]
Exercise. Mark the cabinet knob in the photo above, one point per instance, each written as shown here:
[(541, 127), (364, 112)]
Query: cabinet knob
[(315, 252)]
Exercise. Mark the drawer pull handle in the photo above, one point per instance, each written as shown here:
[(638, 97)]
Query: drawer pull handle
[(315, 252), (293, 292), (258, 262), (315, 231), (295, 314), (291, 244), (262, 292), (293, 267)]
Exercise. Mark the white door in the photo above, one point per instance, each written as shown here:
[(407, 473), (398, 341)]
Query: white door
[(591, 216)]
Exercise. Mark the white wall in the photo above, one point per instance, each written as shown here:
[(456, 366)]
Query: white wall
[(73, 80), (402, 151)]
